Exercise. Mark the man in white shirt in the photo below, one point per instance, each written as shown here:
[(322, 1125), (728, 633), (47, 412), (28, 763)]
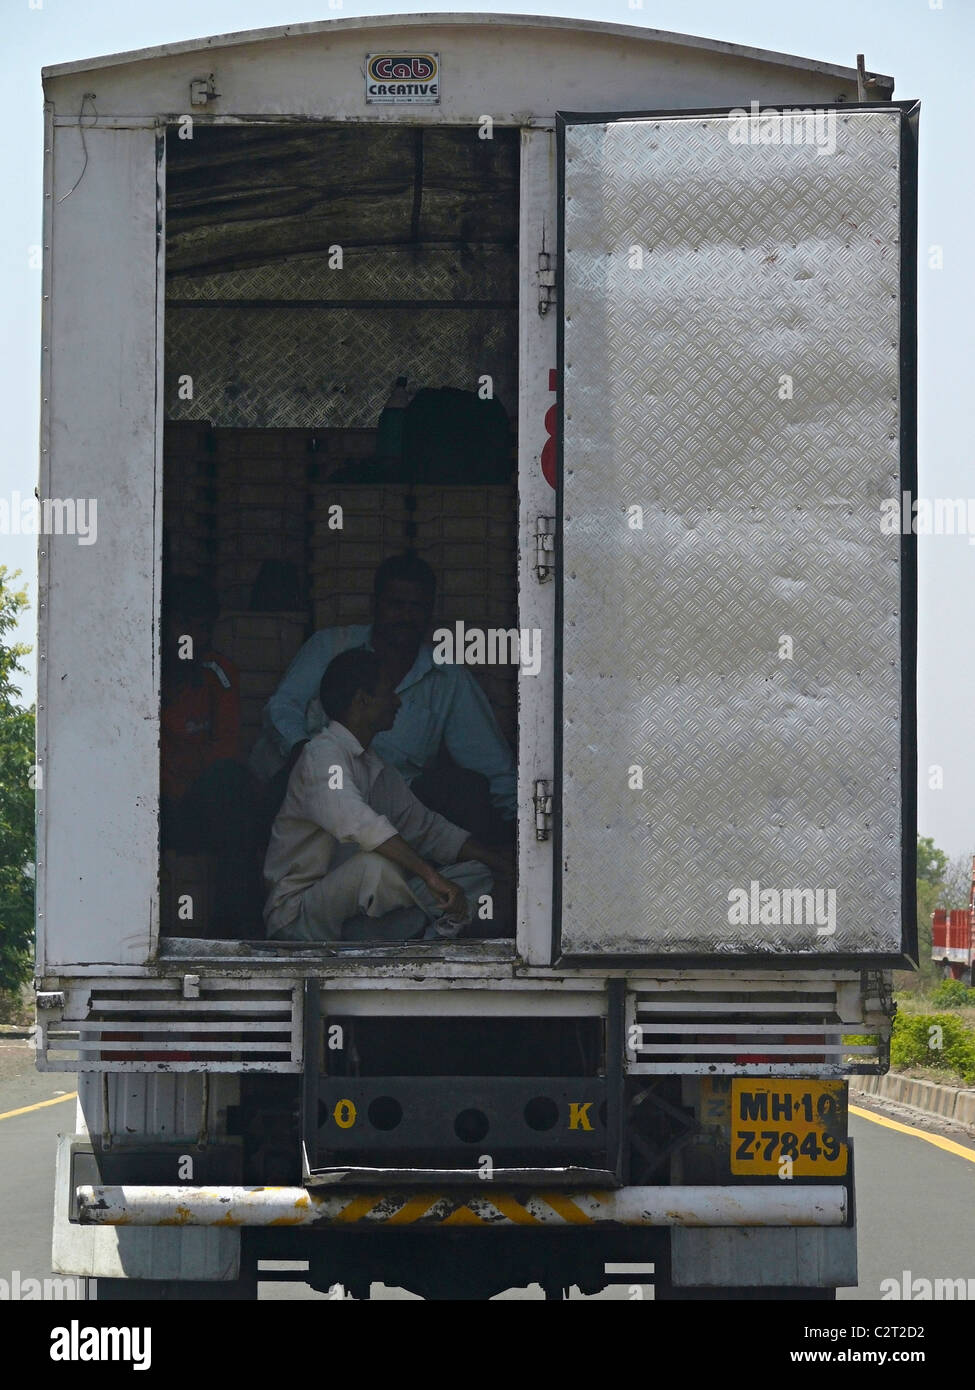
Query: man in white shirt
[(350, 850)]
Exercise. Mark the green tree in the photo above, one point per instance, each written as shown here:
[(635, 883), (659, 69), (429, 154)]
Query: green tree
[(932, 863), (16, 799), (928, 898), (940, 883)]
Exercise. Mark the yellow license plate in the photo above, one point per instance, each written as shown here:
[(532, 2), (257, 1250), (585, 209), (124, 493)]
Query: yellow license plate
[(788, 1128)]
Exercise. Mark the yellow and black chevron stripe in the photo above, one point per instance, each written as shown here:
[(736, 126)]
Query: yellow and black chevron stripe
[(456, 1209)]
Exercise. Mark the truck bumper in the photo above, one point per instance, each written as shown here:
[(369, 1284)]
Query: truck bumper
[(721, 1206)]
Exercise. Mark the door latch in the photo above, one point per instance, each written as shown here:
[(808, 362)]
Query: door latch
[(202, 90), (543, 809), (546, 281), (544, 548)]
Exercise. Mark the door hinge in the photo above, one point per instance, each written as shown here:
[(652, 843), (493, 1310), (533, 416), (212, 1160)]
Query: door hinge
[(546, 281), (543, 809), (202, 90), (544, 548)]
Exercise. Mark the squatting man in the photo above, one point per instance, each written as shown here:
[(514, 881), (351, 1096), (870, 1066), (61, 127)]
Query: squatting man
[(353, 853)]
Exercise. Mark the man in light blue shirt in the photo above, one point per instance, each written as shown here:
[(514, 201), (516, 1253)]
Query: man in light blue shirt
[(442, 706)]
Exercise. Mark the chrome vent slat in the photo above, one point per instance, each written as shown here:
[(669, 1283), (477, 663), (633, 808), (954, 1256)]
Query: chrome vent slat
[(184, 1026), (150, 1026), (747, 1029), (174, 1005), (770, 1049), (747, 1010), (670, 1028), (201, 1048)]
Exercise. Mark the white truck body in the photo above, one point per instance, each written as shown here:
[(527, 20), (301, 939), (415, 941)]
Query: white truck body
[(723, 713)]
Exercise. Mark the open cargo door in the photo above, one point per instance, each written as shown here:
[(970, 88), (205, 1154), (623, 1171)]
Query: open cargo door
[(736, 674), (101, 442)]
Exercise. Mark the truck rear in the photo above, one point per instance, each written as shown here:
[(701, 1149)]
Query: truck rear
[(685, 269), (953, 938)]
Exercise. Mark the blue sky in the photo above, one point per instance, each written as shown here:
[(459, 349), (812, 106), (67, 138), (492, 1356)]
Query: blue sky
[(927, 46)]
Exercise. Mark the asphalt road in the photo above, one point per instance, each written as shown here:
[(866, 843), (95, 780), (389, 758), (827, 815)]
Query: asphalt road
[(914, 1214)]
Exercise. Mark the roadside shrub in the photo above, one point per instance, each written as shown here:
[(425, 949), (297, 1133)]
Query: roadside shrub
[(940, 1041), (952, 994), (17, 1007)]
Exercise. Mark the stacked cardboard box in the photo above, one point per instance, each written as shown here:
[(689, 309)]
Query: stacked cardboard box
[(260, 482), (234, 499), (468, 536), (354, 528), (261, 646), (189, 500), (338, 448)]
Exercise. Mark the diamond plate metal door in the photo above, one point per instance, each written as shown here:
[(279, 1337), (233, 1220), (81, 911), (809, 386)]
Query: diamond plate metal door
[(736, 660)]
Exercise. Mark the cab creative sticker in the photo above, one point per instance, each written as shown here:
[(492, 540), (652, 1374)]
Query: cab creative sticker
[(409, 78)]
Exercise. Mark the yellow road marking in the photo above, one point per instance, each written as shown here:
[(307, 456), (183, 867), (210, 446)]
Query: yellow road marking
[(566, 1208), (41, 1105), (948, 1145)]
